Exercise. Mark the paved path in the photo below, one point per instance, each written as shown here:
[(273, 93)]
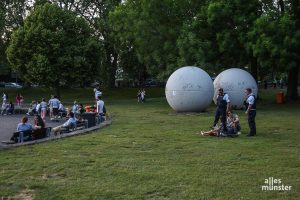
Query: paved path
[(8, 125)]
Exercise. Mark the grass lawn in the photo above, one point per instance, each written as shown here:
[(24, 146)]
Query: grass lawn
[(149, 152)]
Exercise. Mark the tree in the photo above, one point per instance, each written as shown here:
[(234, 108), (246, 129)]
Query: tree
[(55, 48), (217, 37), (277, 41), (151, 29), (12, 13)]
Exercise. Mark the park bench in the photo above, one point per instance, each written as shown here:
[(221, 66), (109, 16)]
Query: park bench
[(24, 136)]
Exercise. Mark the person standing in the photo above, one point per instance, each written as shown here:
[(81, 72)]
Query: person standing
[(55, 105), (4, 98), (43, 107), (97, 93), (100, 109), (139, 96), (19, 100), (251, 111), (50, 107), (223, 106)]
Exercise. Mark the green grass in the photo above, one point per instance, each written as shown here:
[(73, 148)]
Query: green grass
[(151, 153)]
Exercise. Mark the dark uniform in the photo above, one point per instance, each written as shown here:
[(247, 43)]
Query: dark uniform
[(251, 114), (221, 111)]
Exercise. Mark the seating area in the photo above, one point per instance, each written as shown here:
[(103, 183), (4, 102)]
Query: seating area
[(25, 136)]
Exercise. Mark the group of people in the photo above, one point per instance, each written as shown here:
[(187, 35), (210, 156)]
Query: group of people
[(54, 107), (36, 131), (230, 123), (8, 107)]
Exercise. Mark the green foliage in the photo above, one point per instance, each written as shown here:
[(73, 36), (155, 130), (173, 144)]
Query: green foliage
[(151, 28), (54, 47), (276, 40)]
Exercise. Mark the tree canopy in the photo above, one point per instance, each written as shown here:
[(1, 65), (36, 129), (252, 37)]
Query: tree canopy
[(55, 48)]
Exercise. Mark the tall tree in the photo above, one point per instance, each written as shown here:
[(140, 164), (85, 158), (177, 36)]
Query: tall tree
[(152, 28), (277, 40), (218, 35), (54, 47), (12, 13), (96, 13)]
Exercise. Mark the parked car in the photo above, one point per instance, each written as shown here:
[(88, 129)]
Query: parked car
[(13, 85), (151, 83)]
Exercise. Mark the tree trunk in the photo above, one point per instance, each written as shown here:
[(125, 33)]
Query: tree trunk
[(292, 84)]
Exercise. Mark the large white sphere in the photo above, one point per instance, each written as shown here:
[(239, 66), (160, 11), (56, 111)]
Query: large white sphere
[(234, 81), (189, 89)]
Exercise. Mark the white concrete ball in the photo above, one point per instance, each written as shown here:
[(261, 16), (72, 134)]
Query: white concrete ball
[(234, 81), (189, 89)]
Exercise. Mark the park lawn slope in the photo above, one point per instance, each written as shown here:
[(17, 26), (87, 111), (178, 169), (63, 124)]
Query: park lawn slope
[(150, 152)]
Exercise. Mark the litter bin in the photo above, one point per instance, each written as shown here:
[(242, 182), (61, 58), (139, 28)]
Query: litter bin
[(90, 117), (280, 98)]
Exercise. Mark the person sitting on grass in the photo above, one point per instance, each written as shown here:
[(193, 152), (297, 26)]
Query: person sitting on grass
[(217, 131), (233, 127), (71, 122), (38, 128), (233, 123)]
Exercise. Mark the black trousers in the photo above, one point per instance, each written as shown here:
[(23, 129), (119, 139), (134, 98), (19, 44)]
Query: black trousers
[(221, 113), (251, 122)]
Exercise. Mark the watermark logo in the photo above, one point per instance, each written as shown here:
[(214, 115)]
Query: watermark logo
[(273, 184)]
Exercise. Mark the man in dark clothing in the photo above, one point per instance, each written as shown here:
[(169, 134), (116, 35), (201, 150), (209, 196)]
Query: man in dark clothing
[(223, 106), (251, 111)]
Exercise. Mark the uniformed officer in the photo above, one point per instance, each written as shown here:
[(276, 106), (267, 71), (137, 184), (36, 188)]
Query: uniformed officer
[(251, 111), (223, 106)]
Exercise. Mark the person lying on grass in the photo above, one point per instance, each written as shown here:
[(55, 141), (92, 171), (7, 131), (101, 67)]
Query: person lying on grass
[(233, 123), (213, 132)]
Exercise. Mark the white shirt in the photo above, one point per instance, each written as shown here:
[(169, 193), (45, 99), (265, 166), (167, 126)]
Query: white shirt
[(100, 105), (97, 94), (61, 107), (226, 98), (250, 99), (142, 95), (38, 106), (4, 97), (75, 108)]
